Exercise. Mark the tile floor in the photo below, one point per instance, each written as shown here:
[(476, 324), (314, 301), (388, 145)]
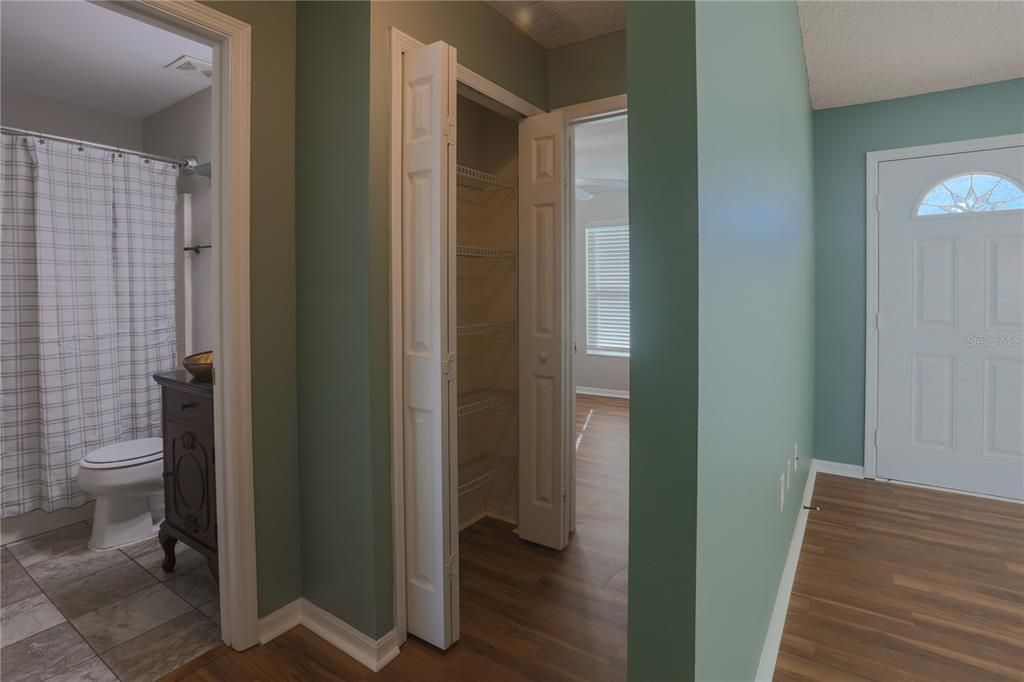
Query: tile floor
[(71, 613)]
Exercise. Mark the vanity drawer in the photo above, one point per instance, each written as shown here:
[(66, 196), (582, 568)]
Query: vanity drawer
[(188, 406)]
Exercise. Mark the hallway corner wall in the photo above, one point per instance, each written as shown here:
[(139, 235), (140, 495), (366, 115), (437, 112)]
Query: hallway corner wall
[(756, 320), (663, 336), (272, 271), (588, 70), (341, 568)]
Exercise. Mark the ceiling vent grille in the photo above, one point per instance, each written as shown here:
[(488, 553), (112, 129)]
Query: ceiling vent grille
[(192, 66)]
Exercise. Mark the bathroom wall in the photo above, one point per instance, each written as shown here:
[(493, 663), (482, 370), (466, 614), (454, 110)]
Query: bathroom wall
[(47, 115), (181, 130), (603, 372)]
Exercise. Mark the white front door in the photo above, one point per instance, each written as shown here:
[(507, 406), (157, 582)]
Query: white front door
[(545, 427), (951, 319), (428, 344)]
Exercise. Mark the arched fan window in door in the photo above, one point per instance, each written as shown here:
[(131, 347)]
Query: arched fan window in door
[(972, 193)]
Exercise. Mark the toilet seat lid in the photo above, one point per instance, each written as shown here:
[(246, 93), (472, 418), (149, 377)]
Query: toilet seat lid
[(125, 454)]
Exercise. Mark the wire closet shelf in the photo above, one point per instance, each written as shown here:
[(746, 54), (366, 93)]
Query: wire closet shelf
[(471, 178), (486, 399), (478, 327)]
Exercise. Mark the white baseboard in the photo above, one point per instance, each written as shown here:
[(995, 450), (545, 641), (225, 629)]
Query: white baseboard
[(25, 526), (936, 488), (603, 392), (773, 638), (823, 466), (373, 653), (280, 621)]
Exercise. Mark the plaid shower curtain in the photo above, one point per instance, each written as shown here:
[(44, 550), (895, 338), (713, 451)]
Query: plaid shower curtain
[(87, 249)]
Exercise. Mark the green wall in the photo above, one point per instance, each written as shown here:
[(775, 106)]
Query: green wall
[(272, 254), (342, 244), (756, 319), (842, 138), (663, 317), (587, 70), (346, 560)]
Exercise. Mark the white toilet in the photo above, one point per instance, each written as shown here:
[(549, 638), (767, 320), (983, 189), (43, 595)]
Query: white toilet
[(127, 480)]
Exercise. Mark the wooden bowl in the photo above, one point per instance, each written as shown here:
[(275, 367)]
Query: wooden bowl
[(200, 365)]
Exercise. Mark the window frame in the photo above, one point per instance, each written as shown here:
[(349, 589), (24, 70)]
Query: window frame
[(934, 185)]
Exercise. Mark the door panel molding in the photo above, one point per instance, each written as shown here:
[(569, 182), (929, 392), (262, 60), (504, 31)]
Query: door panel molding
[(872, 318), (544, 330), (401, 43), (427, 340)]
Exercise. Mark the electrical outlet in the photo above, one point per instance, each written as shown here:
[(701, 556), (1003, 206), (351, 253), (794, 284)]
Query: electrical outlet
[(782, 492)]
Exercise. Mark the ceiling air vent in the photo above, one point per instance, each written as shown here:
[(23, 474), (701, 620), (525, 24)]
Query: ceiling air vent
[(192, 66)]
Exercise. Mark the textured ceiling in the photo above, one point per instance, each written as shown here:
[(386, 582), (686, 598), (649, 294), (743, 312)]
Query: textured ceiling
[(865, 51), (82, 53), (601, 153), (554, 23)]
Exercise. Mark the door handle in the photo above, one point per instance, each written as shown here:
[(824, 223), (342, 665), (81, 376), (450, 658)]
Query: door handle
[(185, 406), (543, 357)]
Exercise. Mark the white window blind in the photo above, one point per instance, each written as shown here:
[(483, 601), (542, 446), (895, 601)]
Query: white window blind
[(608, 289)]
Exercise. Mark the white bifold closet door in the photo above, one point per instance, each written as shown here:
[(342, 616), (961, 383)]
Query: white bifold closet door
[(428, 339), (430, 402), (545, 383)]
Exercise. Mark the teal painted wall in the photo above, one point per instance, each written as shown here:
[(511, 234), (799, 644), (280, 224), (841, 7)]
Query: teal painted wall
[(272, 254), (587, 70), (346, 560), (663, 318), (756, 319), (842, 138)]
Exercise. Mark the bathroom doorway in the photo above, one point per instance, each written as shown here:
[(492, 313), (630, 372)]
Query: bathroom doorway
[(115, 216)]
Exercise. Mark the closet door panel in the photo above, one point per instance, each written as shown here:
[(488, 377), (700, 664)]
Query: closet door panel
[(428, 339), (543, 325)]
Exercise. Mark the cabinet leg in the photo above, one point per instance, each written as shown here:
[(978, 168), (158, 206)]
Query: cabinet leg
[(167, 542)]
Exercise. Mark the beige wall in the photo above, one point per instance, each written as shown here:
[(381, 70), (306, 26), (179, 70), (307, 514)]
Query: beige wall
[(179, 131), (47, 115)]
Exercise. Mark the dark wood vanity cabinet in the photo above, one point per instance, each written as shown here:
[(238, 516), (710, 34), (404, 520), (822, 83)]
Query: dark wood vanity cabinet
[(190, 490)]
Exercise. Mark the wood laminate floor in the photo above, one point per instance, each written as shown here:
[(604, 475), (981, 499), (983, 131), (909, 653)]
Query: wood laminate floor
[(528, 613), (903, 583)]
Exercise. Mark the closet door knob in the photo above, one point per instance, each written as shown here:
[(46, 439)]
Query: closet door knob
[(543, 357)]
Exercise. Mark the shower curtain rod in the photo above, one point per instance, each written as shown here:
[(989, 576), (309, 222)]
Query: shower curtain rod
[(187, 163)]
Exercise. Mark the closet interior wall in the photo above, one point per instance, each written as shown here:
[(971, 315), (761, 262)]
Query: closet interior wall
[(487, 305)]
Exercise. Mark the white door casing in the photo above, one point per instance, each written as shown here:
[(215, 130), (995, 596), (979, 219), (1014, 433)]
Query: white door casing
[(428, 338), (545, 435), (950, 361)]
